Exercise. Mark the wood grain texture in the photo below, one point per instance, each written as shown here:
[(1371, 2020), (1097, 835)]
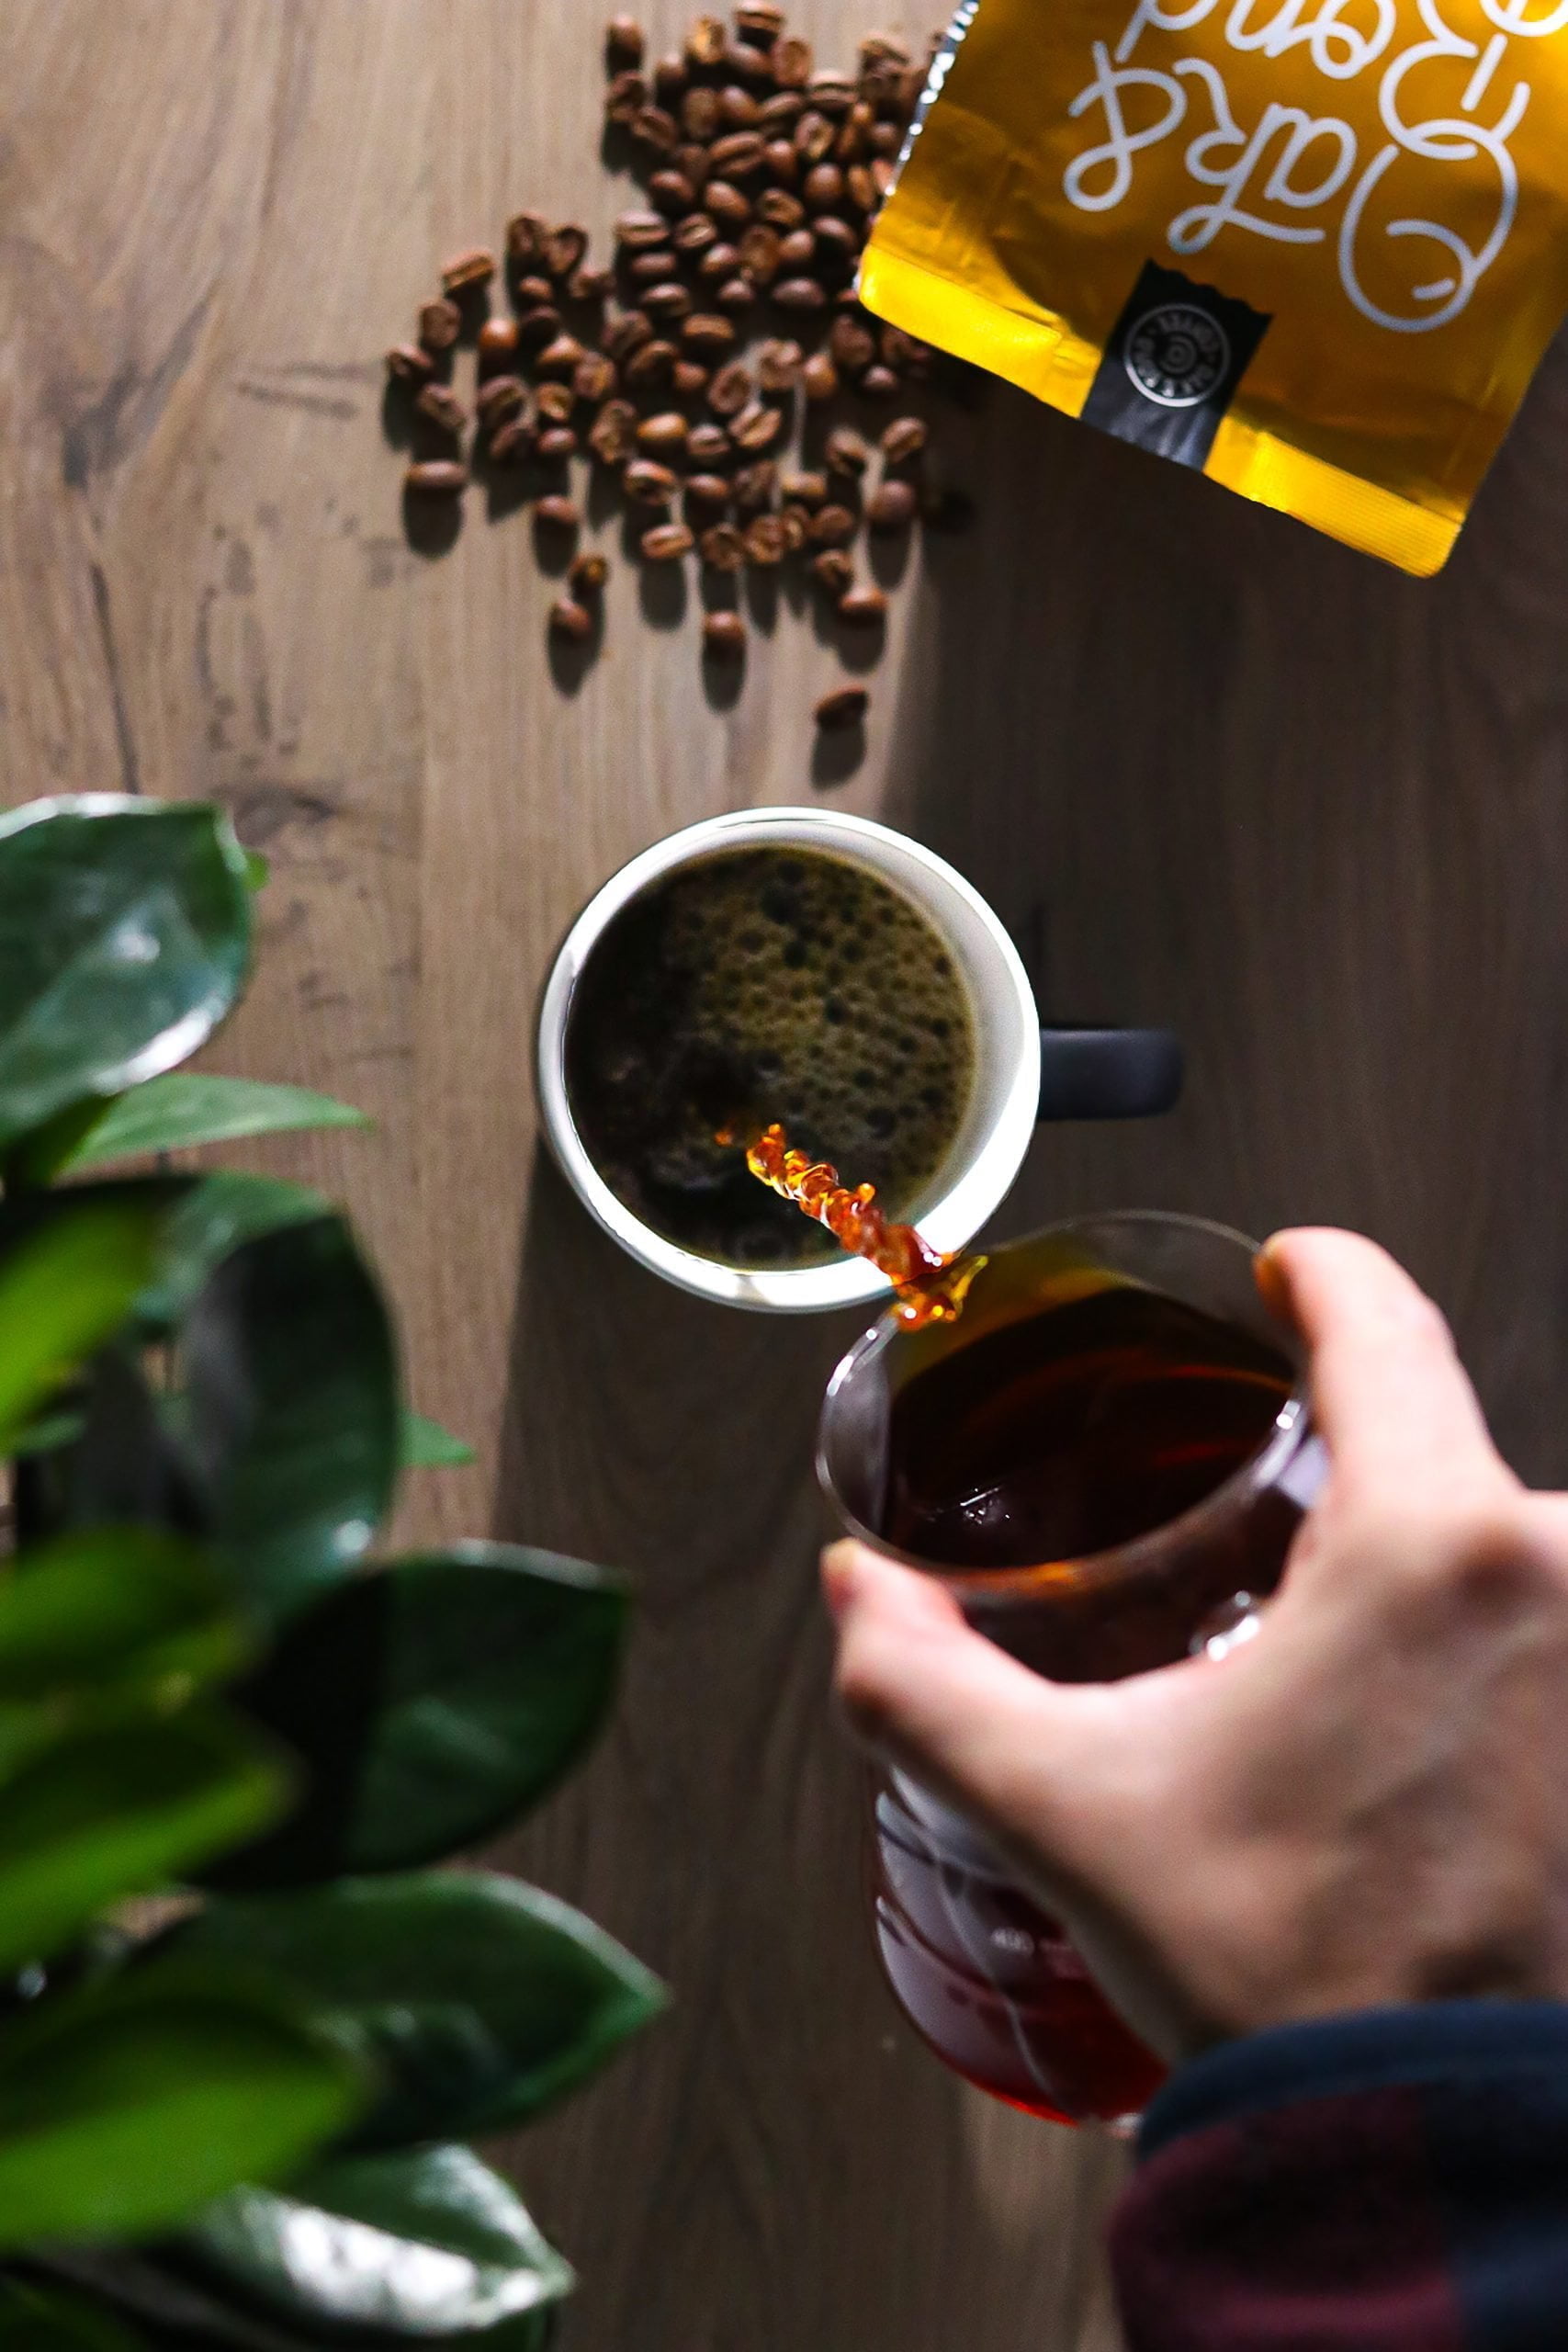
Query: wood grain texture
[(1214, 770)]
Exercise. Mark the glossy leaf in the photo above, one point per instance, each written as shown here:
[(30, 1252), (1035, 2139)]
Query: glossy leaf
[(474, 2000), (211, 1217), (64, 1289), (125, 931), (125, 2105), (429, 1703), (121, 1465), (430, 2243), (51, 2319), (113, 1610), (427, 1446), (187, 1108), (114, 1809), (288, 1409)]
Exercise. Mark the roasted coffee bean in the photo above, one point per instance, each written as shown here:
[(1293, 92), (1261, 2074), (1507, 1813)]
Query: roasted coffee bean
[(555, 402), (883, 48), (558, 513), (838, 246), (670, 80), (854, 140), (833, 92), (637, 231), (654, 130), (797, 251), (725, 204), (885, 139), (834, 570), (624, 41), (708, 334), (668, 542), (802, 294), (781, 112), (824, 187), (561, 357), (588, 574), (710, 491), (879, 383), (556, 443), (407, 364), (692, 162), (626, 99), (664, 434), (525, 233), (760, 254), (904, 439), (612, 435), (843, 708), (626, 334), (778, 365), (496, 342), (796, 527), (867, 607), (719, 262), (861, 188), (466, 270), (442, 406), (724, 636), (819, 377), (813, 138), (672, 192), (735, 296), (754, 486), (649, 483), (832, 527), (757, 427), (780, 209), (687, 378), (700, 115), (781, 163), (891, 506), (650, 365), (669, 300), (568, 618), (744, 61), (765, 542), (709, 445), (500, 397), (653, 268), (706, 41), (722, 549), (694, 236), (512, 442), (846, 452), (793, 63), (440, 325), (535, 293), (852, 345), (737, 108), (738, 155), (804, 490), (437, 478), (537, 329), (760, 20), (595, 378), (901, 350), (882, 88)]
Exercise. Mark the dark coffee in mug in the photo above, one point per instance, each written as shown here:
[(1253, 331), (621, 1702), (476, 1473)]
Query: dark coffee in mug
[(755, 985)]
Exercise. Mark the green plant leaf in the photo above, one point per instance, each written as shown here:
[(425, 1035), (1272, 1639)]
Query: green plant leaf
[(427, 1446), (64, 1289), (125, 930), (126, 2105), (114, 1610), (429, 1703), (473, 1999), (258, 873), (430, 2243), (48, 1433), (186, 1108), (209, 1219), (114, 1809), (50, 2319), (288, 1408)]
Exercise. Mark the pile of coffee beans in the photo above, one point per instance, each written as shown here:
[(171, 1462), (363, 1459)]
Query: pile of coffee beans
[(722, 369)]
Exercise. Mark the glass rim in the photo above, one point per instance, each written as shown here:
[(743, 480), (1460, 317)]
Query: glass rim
[(1124, 1562)]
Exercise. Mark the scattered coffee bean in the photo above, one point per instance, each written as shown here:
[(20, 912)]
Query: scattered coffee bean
[(820, 377), (813, 138), (535, 294), (797, 524), (688, 379), (669, 300), (465, 271), (832, 527), (834, 569), (555, 402), (556, 443), (904, 439), (838, 246), (562, 357), (755, 487), (538, 328), (738, 156), (782, 162), (765, 541), (668, 542), (442, 407), (808, 489), (860, 188), (738, 109), (843, 708), (846, 452), (513, 441), (709, 445), (591, 286), (891, 506), (719, 263), (780, 209), (626, 335), (782, 111), (722, 549), (730, 389), (569, 618), (801, 294), (760, 253), (724, 636), (588, 574), (672, 192), (710, 491), (757, 427), (792, 62), (437, 478), (612, 435), (823, 186), (653, 268), (778, 365), (595, 378), (557, 514), (624, 40), (700, 112), (692, 163), (694, 236), (879, 383), (564, 248), (710, 334), (735, 296), (853, 346), (833, 92), (626, 99), (654, 130), (662, 435), (525, 233), (440, 325), (669, 79), (760, 20), (724, 202), (797, 251), (706, 41), (636, 230), (887, 138), (497, 341), (865, 606), (651, 364), (408, 364), (498, 398), (649, 483)]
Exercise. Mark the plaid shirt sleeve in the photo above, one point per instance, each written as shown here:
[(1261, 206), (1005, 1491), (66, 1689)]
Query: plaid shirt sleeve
[(1394, 2181)]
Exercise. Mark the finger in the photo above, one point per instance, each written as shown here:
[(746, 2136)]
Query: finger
[(1388, 1392), (922, 1689)]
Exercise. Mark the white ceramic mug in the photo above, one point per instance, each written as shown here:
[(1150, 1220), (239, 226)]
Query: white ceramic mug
[(1021, 1073)]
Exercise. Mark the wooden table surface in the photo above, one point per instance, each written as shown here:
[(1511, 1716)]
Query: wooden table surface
[(1214, 770)]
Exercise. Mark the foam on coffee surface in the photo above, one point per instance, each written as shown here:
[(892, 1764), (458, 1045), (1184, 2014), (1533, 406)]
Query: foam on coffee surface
[(756, 985)]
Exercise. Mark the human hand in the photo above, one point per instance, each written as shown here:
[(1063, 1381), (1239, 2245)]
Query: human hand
[(1368, 1802)]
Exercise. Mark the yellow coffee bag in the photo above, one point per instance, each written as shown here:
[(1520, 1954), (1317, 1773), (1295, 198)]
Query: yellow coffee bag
[(1314, 248)]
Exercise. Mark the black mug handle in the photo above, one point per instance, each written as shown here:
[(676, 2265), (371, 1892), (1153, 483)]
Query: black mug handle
[(1108, 1073)]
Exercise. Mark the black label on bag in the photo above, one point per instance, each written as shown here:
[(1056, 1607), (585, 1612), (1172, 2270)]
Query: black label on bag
[(1172, 365)]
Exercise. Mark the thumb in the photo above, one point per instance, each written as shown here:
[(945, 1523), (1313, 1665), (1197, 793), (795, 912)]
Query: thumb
[(924, 1690)]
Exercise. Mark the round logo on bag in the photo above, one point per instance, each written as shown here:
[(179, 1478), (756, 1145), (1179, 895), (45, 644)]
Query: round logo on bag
[(1177, 356)]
